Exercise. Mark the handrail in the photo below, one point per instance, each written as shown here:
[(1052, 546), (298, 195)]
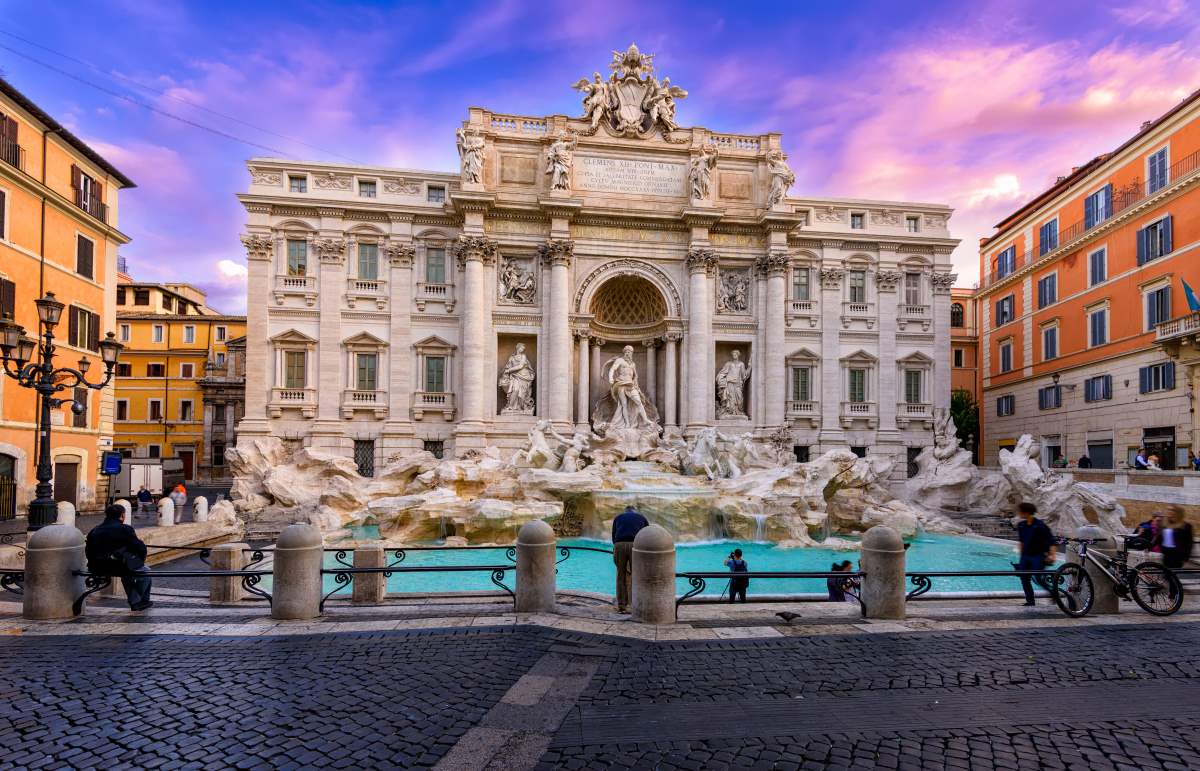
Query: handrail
[(344, 577), (697, 581), (922, 582), (94, 582), (13, 577)]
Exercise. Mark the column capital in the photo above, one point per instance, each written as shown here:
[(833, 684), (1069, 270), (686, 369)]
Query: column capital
[(401, 255), (773, 264), (703, 259), (942, 282), (831, 278), (257, 247), (888, 280), (475, 249), (557, 251), (650, 343), (331, 250), (673, 337)]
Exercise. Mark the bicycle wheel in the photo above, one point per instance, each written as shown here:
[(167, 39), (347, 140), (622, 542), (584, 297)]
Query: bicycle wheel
[(1156, 589), (1071, 588)]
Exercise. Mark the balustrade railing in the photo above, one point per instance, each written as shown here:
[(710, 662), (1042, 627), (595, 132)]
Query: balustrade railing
[(370, 286), (800, 408), (1177, 327), (802, 306), (858, 309), (698, 581)]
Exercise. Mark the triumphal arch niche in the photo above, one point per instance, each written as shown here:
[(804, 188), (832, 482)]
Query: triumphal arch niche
[(613, 275)]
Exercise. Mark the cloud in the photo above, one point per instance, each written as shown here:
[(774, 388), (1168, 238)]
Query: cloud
[(1147, 13), (232, 272)]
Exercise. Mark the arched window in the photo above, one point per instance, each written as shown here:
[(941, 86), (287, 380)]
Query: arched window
[(956, 315)]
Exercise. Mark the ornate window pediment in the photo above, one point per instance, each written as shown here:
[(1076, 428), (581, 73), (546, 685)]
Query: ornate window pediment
[(292, 337), (916, 359), (433, 345), (364, 340), (860, 357), (802, 356)]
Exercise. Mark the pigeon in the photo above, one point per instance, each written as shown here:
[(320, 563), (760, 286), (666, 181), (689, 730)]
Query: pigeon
[(788, 616)]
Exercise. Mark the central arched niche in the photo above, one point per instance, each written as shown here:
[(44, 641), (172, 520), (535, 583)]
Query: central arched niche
[(627, 309), (628, 302)]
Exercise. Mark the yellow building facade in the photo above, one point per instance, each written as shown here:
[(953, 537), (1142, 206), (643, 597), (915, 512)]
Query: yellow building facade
[(173, 343), (58, 233)]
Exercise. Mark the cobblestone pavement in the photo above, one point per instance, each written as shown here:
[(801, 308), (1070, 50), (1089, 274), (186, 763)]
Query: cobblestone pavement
[(518, 697)]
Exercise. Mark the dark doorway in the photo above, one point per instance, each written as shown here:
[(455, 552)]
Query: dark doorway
[(859, 451), (66, 481), (189, 458), (912, 453), (8, 487), (1161, 442), (801, 451)]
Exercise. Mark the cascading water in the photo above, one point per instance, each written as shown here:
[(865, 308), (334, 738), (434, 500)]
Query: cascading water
[(718, 530), (760, 527)]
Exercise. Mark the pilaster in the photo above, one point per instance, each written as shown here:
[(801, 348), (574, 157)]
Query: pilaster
[(259, 252), (701, 263), (559, 253), (831, 368), (331, 258)]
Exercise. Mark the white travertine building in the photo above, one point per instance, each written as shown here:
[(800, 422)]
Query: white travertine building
[(391, 310)]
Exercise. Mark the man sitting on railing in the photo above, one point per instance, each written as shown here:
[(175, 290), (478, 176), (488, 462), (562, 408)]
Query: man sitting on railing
[(113, 549)]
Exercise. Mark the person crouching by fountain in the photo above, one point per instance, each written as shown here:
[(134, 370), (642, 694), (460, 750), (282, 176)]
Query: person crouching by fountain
[(625, 528), (839, 587), (737, 584)]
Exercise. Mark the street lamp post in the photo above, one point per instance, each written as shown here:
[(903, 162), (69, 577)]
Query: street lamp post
[(42, 376)]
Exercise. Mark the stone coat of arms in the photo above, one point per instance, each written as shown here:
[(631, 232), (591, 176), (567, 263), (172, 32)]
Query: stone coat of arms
[(632, 102)]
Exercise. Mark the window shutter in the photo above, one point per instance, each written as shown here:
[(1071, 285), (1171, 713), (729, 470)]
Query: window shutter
[(98, 194), (76, 178), (93, 342), (72, 324), (1108, 206), (1143, 380), (2, 223), (1142, 240), (8, 298), (1089, 211), (1107, 390), (1166, 235), (1169, 375)]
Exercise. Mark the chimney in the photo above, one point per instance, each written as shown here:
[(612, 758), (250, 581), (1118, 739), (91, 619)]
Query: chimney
[(1146, 125)]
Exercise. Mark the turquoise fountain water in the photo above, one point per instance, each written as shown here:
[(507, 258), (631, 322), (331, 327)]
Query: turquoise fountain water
[(595, 572)]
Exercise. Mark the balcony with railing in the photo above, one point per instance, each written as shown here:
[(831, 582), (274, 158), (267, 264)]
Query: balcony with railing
[(373, 401), (371, 290), (1122, 199), (858, 311), (443, 293), (92, 205), (804, 309), (800, 409), (913, 411), (518, 124), (12, 153), (918, 314), (302, 399), (433, 401), (1183, 326), (296, 286), (864, 411)]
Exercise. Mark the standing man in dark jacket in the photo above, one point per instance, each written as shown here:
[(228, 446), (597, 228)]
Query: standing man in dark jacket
[(624, 529), (1037, 545), (113, 549)]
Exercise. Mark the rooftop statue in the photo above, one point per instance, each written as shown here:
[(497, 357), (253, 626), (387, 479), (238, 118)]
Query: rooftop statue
[(632, 102)]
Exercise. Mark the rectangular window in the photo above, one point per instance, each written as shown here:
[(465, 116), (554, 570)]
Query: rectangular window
[(364, 457), (220, 359), (1098, 327), (912, 224), (1097, 207), (8, 299), (435, 266), (189, 333), (368, 262), (1050, 343), (435, 447), (120, 295), (1006, 262), (156, 333), (156, 370), (1006, 405), (1005, 310), (185, 410), (297, 257), (1156, 377), (124, 369), (155, 411), (122, 409), (79, 419), (366, 189), (912, 386), (435, 194), (89, 194), (126, 331), (858, 286), (141, 297), (295, 373), (959, 358), (1158, 307), (802, 453), (858, 386), (153, 451), (1048, 290), (218, 454), (221, 333), (168, 303), (187, 369), (219, 414), (85, 252), (1006, 363), (912, 288), (297, 183), (1154, 240), (83, 328), (800, 285), (1156, 171), (1049, 398), (858, 221), (801, 384), (1097, 389), (1098, 267), (435, 374), (365, 369), (1048, 237)]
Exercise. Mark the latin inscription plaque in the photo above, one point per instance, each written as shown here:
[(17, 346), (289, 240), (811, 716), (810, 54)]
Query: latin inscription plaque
[(626, 175)]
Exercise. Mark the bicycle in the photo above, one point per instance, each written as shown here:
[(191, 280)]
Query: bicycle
[(1154, 588)]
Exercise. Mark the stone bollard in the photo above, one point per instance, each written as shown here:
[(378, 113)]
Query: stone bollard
[(297, 573), (66, 513), (200, 509), (654, 576), (883, 562), (166, 512), (227, 556), (535, 568), (369, 588), (1105, 599), (124, 504), (50, 557)]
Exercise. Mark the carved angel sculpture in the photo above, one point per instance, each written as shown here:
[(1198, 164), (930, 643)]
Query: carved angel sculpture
[(782, 176), (597, 99), (659, 102), (700, 172), (470, 152)]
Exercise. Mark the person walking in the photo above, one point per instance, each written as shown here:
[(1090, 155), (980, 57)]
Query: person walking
[(1177, 539), (1085, 461), (625, 528), (737, 584), (113, 549), (145, 499), (1037, 545), (1152, 531)]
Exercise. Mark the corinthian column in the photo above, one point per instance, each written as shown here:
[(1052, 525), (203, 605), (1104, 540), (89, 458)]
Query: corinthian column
[(700, 262), (583, 382), (651, 387), (258, 387), (473, 252), (558, 253), (775, 266), (400, 374), (670, 381)]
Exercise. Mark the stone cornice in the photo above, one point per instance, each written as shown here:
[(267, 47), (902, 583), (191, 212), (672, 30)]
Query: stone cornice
[(701, 216), (469, 201), (780, 221), (562, 208)]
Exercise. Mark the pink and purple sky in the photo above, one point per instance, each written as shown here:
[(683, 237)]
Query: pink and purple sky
[(978, 105)]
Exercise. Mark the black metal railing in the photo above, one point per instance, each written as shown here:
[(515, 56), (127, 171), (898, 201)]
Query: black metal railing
[(94, 582), (922, 581), (12, 153), (12, 580), (92, 205), (343, 577), (698, 582)]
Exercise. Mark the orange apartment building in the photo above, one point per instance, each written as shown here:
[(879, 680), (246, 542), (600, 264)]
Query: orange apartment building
[(58, 233), (1076, 284), (964, 342)]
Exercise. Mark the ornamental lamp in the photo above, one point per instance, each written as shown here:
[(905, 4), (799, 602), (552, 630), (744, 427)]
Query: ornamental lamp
[(83, 365), (10, 334), (110, 349), (25, 348), (49, 310)]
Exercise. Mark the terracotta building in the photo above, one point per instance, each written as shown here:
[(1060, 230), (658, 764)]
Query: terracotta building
[(58, 233), (1075, 285), (964, 342)]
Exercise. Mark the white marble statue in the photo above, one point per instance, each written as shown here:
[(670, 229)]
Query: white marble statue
[(731, 382), (516, 283), (946, 475), (517, 382), (733, 295), (782, 177), (539, 453), (572, 459), (597, 99), (700, 172), (659, 102), (626, 392), (470, 153), (1062, 502), (558, 161)]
